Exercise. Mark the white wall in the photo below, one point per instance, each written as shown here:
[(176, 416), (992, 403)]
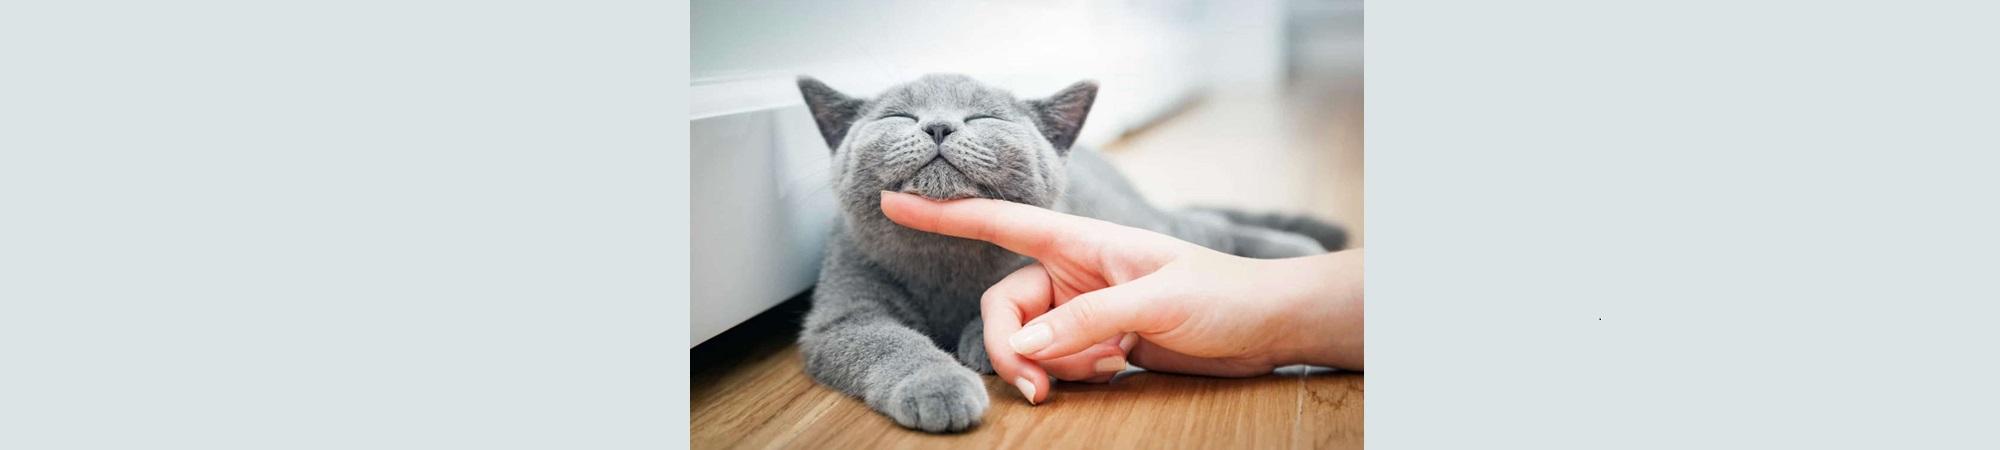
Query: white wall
[(761, 203), (1146, 57)]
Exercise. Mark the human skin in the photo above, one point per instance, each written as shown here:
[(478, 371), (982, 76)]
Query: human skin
[(1096, 285)]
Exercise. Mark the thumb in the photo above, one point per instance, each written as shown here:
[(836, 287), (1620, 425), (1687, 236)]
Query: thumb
[(1141, 306)]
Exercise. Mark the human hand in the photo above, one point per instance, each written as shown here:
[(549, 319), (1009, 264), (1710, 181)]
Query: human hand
[(1196, 310)]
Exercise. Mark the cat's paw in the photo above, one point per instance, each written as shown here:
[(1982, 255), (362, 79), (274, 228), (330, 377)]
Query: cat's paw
[(937, 399), (972, 349)]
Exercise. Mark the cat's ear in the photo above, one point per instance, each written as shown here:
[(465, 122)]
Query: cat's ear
[(833, 111), (1060, 116)]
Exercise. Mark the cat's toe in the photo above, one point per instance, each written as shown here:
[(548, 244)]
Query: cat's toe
[(939, 400)]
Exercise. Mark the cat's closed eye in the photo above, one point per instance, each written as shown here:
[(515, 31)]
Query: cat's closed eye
[(900, 115), (983, 116)]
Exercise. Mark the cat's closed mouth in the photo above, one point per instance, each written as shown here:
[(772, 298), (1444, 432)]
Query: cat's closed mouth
[(940, 180)]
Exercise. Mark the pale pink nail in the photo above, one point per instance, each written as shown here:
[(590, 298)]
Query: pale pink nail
[(1032, 338), (1027, 388), (1111, 364)]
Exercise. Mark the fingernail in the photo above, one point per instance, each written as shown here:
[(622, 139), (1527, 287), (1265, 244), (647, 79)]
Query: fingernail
[(1032, 338), (1111, 364), (1128, 341), (1027, 388)]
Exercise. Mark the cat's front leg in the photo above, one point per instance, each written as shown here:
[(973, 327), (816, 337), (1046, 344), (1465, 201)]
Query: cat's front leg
[(972, 347), (898, 372), (855, 341)]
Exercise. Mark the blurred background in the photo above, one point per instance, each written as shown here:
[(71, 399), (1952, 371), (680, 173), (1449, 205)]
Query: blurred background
[(1252, 104)]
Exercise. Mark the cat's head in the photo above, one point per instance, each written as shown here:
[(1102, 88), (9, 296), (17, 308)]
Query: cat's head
[(948, 137)]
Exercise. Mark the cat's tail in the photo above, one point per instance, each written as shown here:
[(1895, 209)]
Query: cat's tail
[(1329, 235)]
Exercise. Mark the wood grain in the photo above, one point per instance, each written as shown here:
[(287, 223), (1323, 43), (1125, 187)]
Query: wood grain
[(764, 400)]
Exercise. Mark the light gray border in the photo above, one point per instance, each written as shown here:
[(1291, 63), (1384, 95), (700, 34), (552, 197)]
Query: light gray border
[(1746, 224), (410, 224)]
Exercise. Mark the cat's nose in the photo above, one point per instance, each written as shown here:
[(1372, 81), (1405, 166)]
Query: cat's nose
[(938, 131)]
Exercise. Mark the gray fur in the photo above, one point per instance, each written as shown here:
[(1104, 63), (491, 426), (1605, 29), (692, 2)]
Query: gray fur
[(895, 318), (1329, 236)]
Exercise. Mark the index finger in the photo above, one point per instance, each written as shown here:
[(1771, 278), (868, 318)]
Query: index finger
[(1019, 228)]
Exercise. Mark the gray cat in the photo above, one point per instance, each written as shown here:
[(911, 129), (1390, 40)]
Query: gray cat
[(895, 318)]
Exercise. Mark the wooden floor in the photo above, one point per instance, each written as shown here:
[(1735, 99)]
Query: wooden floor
[(751, 391)]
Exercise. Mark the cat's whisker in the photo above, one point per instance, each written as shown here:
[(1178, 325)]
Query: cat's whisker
[(979, 151), (906, 147)]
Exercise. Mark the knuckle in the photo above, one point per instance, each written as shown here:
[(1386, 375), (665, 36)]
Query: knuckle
[(995, 294), (1054, 241), (1083, 314), (1000, 293), (983, 230)]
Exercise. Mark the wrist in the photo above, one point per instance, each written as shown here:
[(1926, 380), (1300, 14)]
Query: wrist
[(1323, 294)]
